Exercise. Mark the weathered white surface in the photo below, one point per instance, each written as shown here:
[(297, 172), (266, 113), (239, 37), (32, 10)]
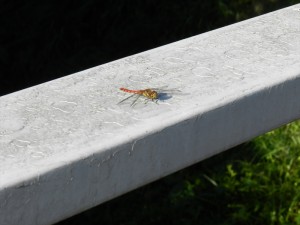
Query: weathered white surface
[(66, 145)]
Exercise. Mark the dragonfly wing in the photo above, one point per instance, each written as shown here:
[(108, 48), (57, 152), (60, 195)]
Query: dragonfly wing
[(132, 104), (165, 89), (126, 98)]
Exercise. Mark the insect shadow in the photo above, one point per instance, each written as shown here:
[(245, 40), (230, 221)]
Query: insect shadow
[(164, 96)]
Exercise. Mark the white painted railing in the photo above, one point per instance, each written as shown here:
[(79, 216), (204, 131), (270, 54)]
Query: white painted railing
[(66, 145)]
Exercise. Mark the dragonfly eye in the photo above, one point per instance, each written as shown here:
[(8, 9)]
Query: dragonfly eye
[(154, 95)]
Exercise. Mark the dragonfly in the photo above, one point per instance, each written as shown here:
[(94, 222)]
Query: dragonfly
[(152, 94)]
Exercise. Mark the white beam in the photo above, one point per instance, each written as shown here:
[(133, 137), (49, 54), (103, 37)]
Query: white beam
[(66, 145)]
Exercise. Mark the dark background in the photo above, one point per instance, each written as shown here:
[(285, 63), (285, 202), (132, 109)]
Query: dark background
[(44, 40)]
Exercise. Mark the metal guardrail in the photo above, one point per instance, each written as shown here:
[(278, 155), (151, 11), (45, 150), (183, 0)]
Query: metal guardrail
[(67, 145)]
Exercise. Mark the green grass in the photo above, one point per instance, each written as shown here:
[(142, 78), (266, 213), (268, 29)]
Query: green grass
[(255, 183), (264, 189)]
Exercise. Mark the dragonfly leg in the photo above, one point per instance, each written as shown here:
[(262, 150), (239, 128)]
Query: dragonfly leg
[(153, 100)]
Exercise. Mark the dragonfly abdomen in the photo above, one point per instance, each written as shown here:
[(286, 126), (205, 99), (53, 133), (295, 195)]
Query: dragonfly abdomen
[(131, 91)]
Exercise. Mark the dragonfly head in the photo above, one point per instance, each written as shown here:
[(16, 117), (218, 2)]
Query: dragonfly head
[(151, 94)]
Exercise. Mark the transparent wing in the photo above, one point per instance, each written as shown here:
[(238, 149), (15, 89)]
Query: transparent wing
[(133, 102), (165, 89), (126, 99)]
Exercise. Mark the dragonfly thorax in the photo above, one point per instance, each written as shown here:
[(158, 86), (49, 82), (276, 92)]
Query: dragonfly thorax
[(149, 93)]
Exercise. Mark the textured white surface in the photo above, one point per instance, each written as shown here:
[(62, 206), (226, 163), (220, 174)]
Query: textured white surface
[(66, 145)]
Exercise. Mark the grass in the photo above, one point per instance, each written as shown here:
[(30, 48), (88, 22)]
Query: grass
[(255, 183), (265, 188)]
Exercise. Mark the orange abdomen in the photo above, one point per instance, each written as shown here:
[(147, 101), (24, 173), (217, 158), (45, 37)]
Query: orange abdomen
[(130, 91)]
